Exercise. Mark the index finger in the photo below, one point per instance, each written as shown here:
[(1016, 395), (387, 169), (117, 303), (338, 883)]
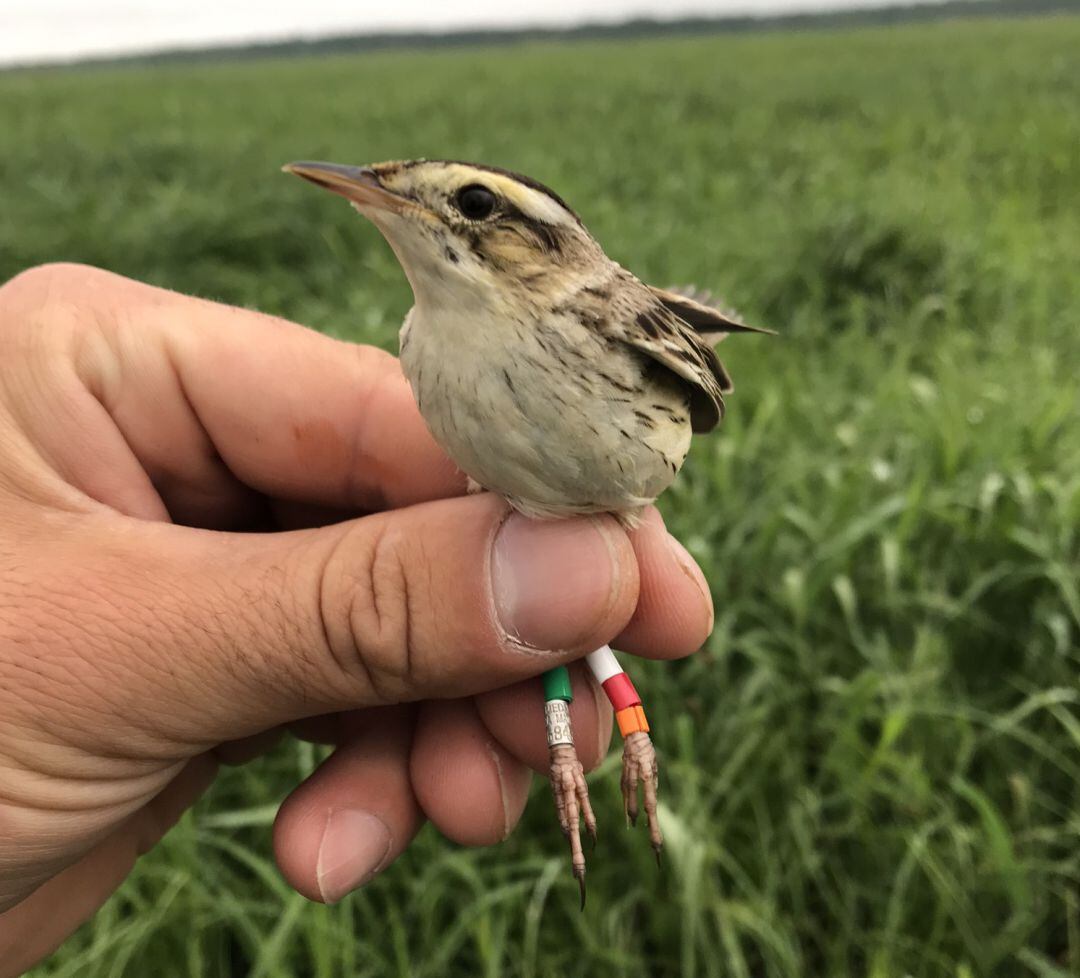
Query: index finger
[(302, 416), (205, 393)]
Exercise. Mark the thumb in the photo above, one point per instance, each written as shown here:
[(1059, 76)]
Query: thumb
[(199, 637)]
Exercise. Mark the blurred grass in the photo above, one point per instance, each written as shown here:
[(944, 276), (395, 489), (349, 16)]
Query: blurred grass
[(873, 767)]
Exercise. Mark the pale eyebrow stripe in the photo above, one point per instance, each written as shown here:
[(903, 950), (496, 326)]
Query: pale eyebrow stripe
[(525, 181)]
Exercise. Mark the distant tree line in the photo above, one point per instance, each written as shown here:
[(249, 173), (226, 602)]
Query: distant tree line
[(641, 27)]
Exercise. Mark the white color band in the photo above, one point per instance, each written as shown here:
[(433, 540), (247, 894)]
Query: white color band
[(603, 664)]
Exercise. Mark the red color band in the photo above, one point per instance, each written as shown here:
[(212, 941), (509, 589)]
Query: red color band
[(620, 690)]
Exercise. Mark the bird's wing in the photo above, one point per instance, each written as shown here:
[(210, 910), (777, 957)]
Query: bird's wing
[(702, 311), (646, 323)]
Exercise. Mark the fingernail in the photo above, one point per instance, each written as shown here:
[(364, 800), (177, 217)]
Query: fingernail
[(690, 568), (554, 581), (354, 847)]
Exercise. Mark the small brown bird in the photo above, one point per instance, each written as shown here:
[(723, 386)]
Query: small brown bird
[(549, 373)]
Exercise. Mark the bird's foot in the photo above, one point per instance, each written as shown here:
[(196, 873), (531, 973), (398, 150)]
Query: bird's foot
[(640, 767), (572, 804)]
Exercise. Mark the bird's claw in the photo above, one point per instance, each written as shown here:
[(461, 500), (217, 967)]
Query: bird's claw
[(572, 804), (640, 767)]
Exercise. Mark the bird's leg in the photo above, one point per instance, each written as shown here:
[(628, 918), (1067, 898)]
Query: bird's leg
[(639, 755), (566, 773), (639, 766)]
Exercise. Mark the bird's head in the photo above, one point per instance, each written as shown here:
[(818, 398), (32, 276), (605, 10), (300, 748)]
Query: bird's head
[(463, 230)]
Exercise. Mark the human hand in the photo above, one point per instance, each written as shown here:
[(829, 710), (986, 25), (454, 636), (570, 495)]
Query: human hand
[(215, 525)]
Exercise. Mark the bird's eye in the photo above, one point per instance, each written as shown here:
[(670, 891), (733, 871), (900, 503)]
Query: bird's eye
[(476, 202)]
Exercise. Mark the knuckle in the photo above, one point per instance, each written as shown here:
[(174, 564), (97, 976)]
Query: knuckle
[(45, 283), (42, 306), (369, 627)]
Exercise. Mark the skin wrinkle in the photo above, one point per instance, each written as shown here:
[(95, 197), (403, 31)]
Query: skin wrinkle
[(388, 578), (50, 354), (101, 345), (29, 744), (504, 798), (214, 459), (155, 820), (16, 445), (178, 341), (15, 480), (37, 481), (155, 723), (322, 603), (128, 828), (115, 631), (95, 593), (101, 695), (688, 572), (297, 638), (423, 574), (46, 792), (144, 501), (259, 597), (64, 727), (53, 668), (603, 524), (33, 752), (76, 336), (348, 653)]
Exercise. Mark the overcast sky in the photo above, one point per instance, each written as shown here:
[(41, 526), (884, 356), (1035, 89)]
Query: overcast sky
[(38, 30)]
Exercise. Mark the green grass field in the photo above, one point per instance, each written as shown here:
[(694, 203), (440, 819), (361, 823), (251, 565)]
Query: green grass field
[(874, 767)]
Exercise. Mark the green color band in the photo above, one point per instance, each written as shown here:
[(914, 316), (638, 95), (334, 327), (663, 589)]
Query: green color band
[(557, 685)]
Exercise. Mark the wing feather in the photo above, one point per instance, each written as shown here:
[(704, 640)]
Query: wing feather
[(675, 331), (666, 338), (700, 310)]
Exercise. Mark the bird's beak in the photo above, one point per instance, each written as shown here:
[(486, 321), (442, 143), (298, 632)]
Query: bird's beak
[(359, 184)]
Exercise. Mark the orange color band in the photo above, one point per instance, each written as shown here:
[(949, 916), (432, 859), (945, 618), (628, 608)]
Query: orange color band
[(631, 720)]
